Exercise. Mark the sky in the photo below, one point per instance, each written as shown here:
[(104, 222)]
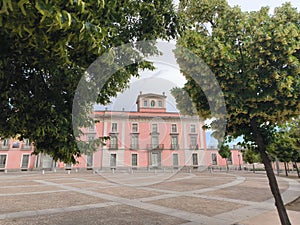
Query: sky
[(167, 74)]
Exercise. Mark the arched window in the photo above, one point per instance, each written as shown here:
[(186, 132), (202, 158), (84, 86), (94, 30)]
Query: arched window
[(152, 103)]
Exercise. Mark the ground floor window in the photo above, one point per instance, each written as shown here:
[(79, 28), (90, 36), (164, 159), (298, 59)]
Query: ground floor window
[(113, 160), (175, 160), (229, 160), (214, 159), (134, 159), (3, 161), (25, 161), (195, 159), (89, 160)]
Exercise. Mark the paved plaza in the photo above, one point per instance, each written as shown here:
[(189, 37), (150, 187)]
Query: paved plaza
[(154, 197)]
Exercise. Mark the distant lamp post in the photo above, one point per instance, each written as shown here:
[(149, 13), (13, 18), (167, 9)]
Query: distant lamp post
[(239, 156)]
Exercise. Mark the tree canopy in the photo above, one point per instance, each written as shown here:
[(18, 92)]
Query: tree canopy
[(45, 48), (255, 57)]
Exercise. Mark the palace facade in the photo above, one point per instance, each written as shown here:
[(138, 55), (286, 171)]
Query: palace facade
[(148, 138)]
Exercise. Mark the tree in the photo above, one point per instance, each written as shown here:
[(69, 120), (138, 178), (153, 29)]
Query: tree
[(285, 144), (46, 46), (294, 133), (282, 148), (255, 59), (225, 153), (184, 103), (251, 156)]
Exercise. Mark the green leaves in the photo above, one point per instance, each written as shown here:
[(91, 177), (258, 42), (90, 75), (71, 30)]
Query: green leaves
[(45, 48), (253, 57)]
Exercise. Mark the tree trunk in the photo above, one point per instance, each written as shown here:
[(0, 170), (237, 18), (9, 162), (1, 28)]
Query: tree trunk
[(227, 168), (253, 168), (297, 169), (270, 174), (286, 173)]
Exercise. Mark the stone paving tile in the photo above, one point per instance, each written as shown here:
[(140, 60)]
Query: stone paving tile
[(89, 185), (44, 201), (251, 190), (193, 184), (4, 183), (127, 192), (198, 205), (112, 215), (27, 189)]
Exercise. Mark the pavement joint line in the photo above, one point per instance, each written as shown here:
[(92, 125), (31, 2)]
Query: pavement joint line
[(41, 212), (23, 186), (237, 181), (238, 201), (31, 193), (167, 179)]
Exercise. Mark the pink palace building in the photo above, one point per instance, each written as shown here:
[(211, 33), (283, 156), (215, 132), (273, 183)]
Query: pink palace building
[(149, 138)]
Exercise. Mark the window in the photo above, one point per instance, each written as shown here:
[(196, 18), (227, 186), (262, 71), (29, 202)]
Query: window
[(193, 128), (145, 103), (174, 142), (134, 141), (113, 142), (174, 128), (16, 144), (114, 127), (134, 159), (214, 159), (154, 128), (2, 161), (193, 142), (195, 159), (175, 160), (5, 142), (152, 103), (90, 138), (229, 160), (113, 160), (25, 161), (26, 143), (134, 128), (92, 128), (89, 160), (160, 104), (154, 141)]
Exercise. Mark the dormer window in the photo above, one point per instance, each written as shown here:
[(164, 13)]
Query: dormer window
[(159, 103), (152, 103), (114, 128), (145, 103)]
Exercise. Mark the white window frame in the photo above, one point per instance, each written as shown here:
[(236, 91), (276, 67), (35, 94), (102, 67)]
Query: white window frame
[(160, 103), (6, 160), (193, 128), (92, 155), (177, 159), (114, 129), (152, 130), (137, 128), (145, 103), (137, 160), (5, 142), (21, 163), (152, 103), (172, 126)]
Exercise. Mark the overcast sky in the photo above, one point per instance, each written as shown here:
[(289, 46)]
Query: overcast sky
[(167, 74)]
